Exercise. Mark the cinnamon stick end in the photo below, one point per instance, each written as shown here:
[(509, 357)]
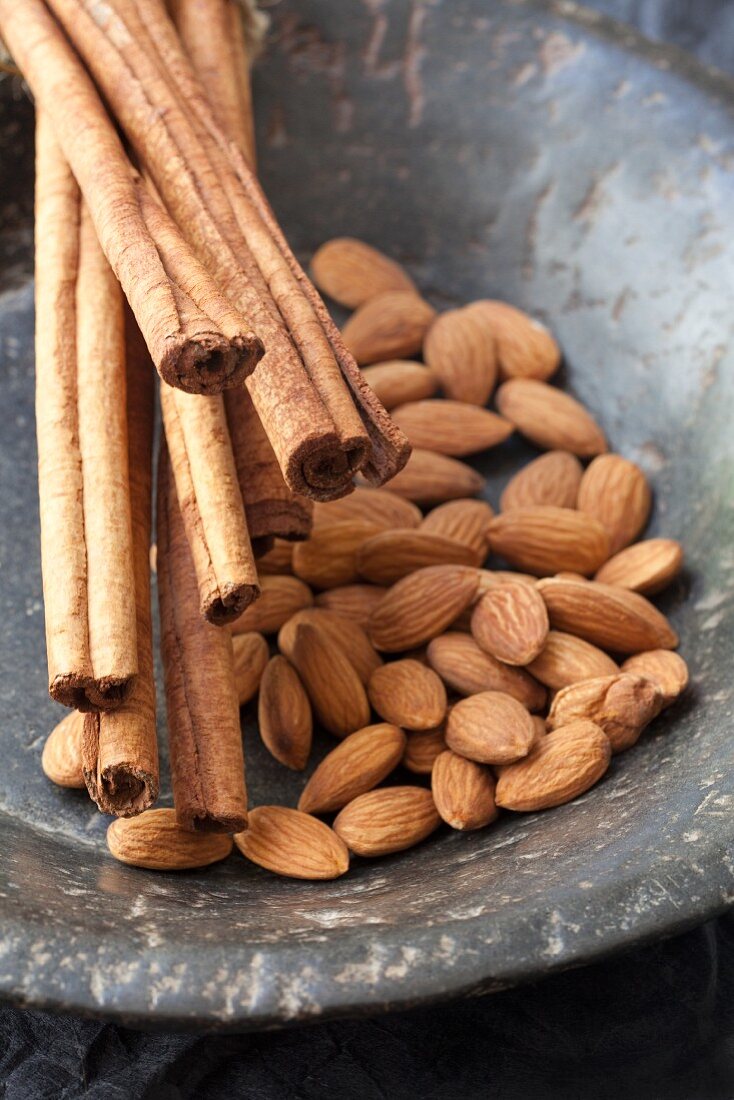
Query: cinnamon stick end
[(211, 363), (87, 695), (123, 789), (227, 604), (233, 822)]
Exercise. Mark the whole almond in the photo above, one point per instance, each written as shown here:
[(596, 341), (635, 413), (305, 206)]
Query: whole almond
[(667, 670), (464, 521), (550, 418), (400, 380), (451, 427), (421, 606), (391, 325), (408, 694), (620, 705), (491, 728), (279, 559), (291, 843), (343, 632), (284, 714), (155, 840), (647, 567), (378, 506), (358, 764), (566, 659), (61, 758), (251, 655), (462, 355), (525, 347), (616, 492), (545, 540), (463, 792), (612, 618), (429, 478), (510, 622), (387, 557), (355, 602), (332, 684), (387, 820), (351, 272), (467, 669), (553, 478), (329, 558), (421, 749), (560, 767), (280, 597)]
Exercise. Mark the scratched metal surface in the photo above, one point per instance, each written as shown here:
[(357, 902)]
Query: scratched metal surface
[(508, 150)]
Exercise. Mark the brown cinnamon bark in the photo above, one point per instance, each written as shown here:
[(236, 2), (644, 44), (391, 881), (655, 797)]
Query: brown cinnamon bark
[(205, 742)]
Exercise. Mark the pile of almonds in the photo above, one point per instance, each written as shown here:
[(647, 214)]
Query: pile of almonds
[(502, 687)]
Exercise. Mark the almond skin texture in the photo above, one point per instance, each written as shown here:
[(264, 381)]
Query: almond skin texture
[(61, 758), (279, 559), (546, 540), (422, 748), (554, 479), (378, 506), (331, 682), (389, 326), (329, 558), (429, 478), (667, 670), (421, 606), (291, 843), (351, 272), (561, 766), (620, 705), (463, 792), (251, 655), (464, 521), (465, 668), (284, 714), (355, 602), (154, 840), (451, 427), (280, 597), (343, 632), (490, 728), (616, 491), (400, 380), (525, 347), (355, 766), (462, 355), (647, 567), (612, 618), (391, 555), (408, 694), (566, 659), (510, 622), (550, 418), (387, 820)]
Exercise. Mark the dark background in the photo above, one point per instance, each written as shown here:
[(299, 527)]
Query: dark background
[(657, 1022)]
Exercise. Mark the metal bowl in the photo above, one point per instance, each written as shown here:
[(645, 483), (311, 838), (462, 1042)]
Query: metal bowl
[(522, 150)]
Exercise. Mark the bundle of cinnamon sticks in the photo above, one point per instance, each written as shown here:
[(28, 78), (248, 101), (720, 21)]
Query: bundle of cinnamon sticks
[(146, 190)]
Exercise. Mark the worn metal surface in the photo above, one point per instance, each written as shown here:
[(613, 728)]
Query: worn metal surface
[(515, 150)]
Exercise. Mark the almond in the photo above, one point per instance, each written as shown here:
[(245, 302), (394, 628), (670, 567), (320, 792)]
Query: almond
[(329, 558), (331, 682), (510, 622), (647, 567), (464, 521), (616, 492), (429, 478), (345, 633), (421, 606), (355, 602), (465, 668), (351, 272), (491, 728), (284, 714), (451, 427), (379, 506), (400, 380), (545, 540), (387, 557), (251, 655), (667, 670), (294, 844), (553, 478), (561, 766), (422, 748), (612, 618), (391, 325), (61, 758), (279, 559), (550, 418), (409, 694), (462, 356), (566, 659), (155, 840), (525, 347), (387, 820), (358, 764), (620, 705), (463, 792), (280, 597)]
